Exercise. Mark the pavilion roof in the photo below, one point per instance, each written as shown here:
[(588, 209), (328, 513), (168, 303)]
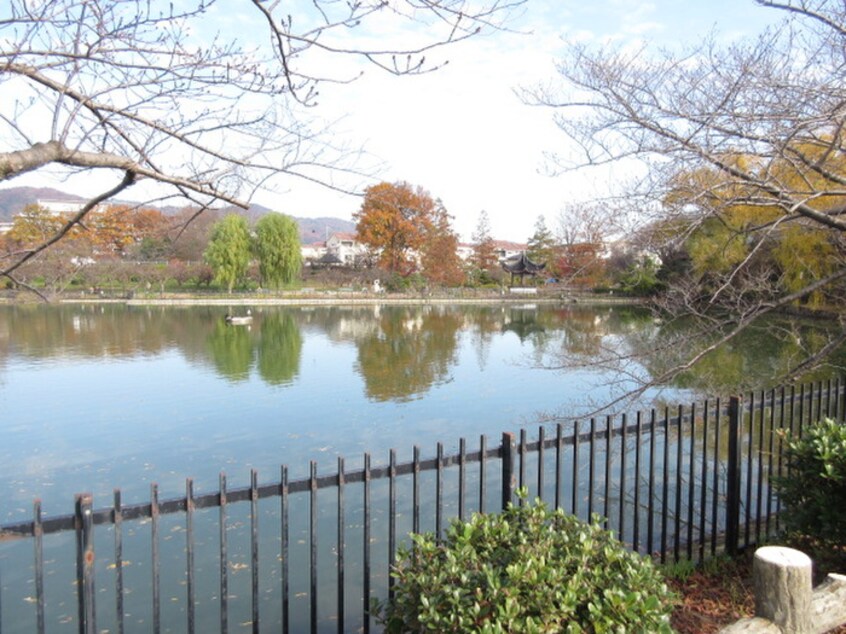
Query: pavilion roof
[(522, 265)]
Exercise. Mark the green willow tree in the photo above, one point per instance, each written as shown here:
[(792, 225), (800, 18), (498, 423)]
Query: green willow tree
[(277, 247), (229, 251)]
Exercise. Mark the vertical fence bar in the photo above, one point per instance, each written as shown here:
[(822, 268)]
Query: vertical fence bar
[(665, 486), (650, 518), (312, 542), (733, 477), (366, 581), (509, 482), (678, 491), (607, 483), (392, 517), (770, 450), (541, 440), (559, 439), (782, 419), (462, 461), (523, 482), (691, 485), (38, 542), (623, 465), (84, 524), (591, 466), (340, 544), (189, 552), (636, 524), (760, 455), (750, 443), (156, 563), (254, 551), (828, 398), (575, 500), (439, 491), (284, 546), (482, 482), (117, 518), (715, 520), (819, 402), (703, 499), (801, 408), (415, 492), (224, 556)]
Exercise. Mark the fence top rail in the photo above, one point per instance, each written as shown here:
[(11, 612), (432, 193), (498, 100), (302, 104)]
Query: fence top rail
[(670, 416)]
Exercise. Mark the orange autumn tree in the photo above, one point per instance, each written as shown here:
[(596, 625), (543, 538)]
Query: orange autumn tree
[(394, 220), (439, 259)]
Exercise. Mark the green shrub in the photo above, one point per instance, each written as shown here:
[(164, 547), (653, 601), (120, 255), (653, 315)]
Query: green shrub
[(527, 569), (814, 490)]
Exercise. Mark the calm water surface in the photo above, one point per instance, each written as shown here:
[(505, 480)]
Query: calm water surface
[(98, 397)]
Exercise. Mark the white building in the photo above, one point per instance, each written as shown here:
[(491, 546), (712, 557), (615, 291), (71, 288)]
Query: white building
[(312, 252), (347, 248), (57, 207)]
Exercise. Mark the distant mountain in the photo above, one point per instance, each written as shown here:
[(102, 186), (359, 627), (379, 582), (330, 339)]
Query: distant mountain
[(14, 199)]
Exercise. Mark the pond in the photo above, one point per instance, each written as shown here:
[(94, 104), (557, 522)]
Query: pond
[(95, 397)]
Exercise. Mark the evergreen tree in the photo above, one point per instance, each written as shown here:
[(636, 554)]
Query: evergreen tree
[(277, 247), (228, 252), (542, 245), (484, 253)]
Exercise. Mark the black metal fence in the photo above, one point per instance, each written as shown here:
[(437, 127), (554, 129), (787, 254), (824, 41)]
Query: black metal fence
[(310, 554)]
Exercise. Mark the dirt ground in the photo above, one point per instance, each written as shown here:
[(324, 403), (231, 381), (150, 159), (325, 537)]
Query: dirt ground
[(721, 592)]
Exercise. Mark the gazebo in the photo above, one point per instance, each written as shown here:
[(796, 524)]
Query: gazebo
[(521, 265)]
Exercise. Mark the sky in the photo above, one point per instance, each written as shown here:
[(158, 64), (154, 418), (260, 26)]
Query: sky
[(464, 135)]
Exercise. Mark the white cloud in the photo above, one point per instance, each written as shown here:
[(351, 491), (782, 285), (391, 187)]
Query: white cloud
[(463, 134)]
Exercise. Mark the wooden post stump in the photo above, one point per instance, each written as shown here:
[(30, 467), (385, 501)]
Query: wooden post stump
[(783, 587)]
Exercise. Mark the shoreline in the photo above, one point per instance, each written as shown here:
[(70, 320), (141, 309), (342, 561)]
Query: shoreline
[(327, 298), (356, 299)]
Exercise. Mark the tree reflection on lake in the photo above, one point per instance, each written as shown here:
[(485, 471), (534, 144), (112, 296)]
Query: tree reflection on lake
[(101, 396)]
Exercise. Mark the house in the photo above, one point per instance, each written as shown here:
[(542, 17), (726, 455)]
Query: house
[(464, 251), (502, 248), (59, 207), (347, 249), (505, 250), (312, 252)]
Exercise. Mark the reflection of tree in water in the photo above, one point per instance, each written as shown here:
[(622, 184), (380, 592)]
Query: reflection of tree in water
[(770, 349), (524, 323), (487, 322), (412, 350), (279, 349), (231, 350), (98, 331)]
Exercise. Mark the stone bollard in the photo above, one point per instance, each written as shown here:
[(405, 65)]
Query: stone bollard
[(783, 587)]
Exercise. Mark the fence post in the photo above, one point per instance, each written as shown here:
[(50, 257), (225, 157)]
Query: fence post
[(509, 476), (84, 522), (733, 477)]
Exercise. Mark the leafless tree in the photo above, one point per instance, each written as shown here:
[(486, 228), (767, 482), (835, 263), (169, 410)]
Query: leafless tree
[(757, 124), (158, 92), (585, 223)]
